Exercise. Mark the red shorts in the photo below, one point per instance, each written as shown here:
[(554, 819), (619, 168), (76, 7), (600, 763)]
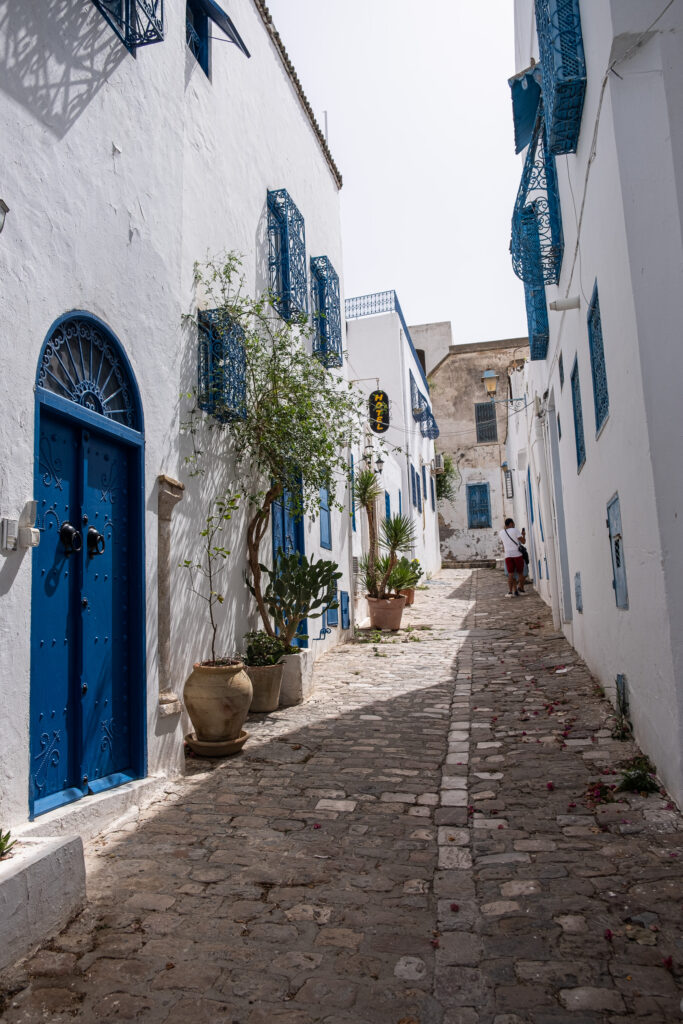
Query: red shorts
[(515, 565)]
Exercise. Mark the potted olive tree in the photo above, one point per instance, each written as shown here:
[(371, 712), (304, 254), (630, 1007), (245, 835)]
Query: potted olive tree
[(218, 691)]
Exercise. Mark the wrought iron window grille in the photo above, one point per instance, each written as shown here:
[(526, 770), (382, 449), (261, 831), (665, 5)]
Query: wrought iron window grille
[(578, 416), (534, 292), (486, 422), (537, 254), (135, 22), (418, 403), (326, 311), (563, 66), (429, 427), (287, 255), (222, 380), (597, 354)]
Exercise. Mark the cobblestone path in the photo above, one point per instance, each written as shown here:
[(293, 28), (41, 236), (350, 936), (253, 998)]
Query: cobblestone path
[(412, 846)]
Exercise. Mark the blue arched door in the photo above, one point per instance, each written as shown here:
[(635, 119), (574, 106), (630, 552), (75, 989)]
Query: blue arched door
[(87, 714)]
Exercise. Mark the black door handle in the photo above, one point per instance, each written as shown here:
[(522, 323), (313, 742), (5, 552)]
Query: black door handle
[(95, 542), (71, 538)]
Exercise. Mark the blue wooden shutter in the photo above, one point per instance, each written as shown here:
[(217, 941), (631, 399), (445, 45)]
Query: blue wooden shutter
[(431, 490), (424, 482), (617, 548), (531, 497), (400, 503), (344, 604), (485, 420), (412, 481), (478, 506), (387, 504), (333, 613), (419, 492), (353, 494), (325, 523)]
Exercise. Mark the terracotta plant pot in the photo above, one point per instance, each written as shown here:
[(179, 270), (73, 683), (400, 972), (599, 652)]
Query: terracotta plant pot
[(386, 612), (266, 681), (217, 698), (409, 594)]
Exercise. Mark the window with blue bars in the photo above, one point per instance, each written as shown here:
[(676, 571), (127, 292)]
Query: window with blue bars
[(563, 66), (418, 491), (326, 310), (578, 416), (485, 421), (135, 22), (478, 506), (431, 492), (325, 520), (424, 481), (597, 353), (412, 484), (197, 34), (287, 256), (387, 504), (534, 291), (221, 366)]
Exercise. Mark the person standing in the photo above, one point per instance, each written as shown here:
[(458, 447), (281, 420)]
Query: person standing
[(511, 539)]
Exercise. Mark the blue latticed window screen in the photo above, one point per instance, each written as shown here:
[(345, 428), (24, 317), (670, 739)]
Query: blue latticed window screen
[(333, 613), (537, 255), (431, 492), (400, 502), (485, 420), (344, 606), (560, 367), (478, 506), (222, 385), (534, 291), (578, 593), (412, 484), (326, 309), (135, 22), (287, 255), (578, 416), (598, 369), (424, 481), (418, 491), (428, 427), (418, 402), (387, 504), (325, 520), (617, 547), (563, 66)]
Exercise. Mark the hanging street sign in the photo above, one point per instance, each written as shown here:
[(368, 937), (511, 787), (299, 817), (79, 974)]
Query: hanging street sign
[(379, 411)]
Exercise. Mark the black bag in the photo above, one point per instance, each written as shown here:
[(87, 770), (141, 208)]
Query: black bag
[(523, 552)]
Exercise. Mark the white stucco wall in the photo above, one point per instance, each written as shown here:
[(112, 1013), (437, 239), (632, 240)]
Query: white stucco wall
[(119, 174), (631, 244)]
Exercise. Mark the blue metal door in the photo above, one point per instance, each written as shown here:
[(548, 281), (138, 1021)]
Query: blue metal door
[(288, 536)]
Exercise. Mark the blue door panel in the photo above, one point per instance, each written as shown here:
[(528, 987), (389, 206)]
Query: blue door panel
[(288, 536)]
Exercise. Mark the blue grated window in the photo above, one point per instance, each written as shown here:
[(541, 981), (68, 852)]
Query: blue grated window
[(326, 308), (222, 383), (597, 352), (418, 402), (418, 491), (537, 254), (387, 504), (412, 483), (485, 420), (534, 292), (344, 605), (135, 22), (478, 506), (578, 593), (429, 428), (197, 34), (578, 417), (431, 491), (424, 481), (325, 520), (617, 549), (560, 367), (400, 503), (563, 66), (287, 256)]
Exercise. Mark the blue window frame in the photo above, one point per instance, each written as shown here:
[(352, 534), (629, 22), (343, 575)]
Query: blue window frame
[(560, 367), (344, 605), (412, 483), (531, 495), (197, 35), (534, 290), (418, 491), (617, 549), (559, 428), (597, 353), (325, 520), (287, 255), (578, 593), (400, 502), (353, 494), (478, 506), (326, 310), (424, 482), (563, 65), (332, 614), (485, 421), (431, 491), (387, 504), (135, 22), (221, 366), (578, 416)]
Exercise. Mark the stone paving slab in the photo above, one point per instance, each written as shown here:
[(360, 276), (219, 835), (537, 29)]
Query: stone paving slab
[(411, 846)]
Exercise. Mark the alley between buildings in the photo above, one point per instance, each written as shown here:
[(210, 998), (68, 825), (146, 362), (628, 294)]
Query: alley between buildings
[(433, 838)]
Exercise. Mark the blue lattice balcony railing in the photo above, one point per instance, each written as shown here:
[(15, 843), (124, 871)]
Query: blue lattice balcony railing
[(558, 23), (326, 308), (135, 22), (537, 255), (534, 291), (383, 302), (418, 403), (287, 255), (221, 366), (428, 427)]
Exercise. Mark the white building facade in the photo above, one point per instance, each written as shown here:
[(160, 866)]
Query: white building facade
[(598, 241), (382, 357), (120, 174)]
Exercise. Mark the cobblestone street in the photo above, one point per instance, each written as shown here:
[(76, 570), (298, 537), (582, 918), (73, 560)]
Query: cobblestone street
[(431, 839)]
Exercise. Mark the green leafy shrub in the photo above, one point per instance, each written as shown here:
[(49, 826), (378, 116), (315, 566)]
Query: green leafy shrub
[(262, 649)]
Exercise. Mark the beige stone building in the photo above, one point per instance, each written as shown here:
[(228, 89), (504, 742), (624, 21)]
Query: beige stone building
[(473, 433)]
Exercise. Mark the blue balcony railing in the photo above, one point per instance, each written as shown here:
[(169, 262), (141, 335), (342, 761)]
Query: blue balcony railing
[(558, 23)]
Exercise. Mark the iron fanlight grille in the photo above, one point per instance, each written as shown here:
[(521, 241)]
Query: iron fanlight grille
[(287, 255), (326, 308), (135, 22), (221, 367), (537, 255), (558, 23)]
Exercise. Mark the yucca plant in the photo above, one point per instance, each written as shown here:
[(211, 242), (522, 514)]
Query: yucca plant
[(398, 534), (367, 491), (6, 843)]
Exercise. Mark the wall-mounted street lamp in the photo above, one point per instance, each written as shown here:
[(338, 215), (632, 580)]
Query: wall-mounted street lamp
[(4, 210), (379, 463), (489, 379)]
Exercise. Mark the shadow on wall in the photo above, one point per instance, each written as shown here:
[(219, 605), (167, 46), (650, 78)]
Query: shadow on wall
[(55, 57)]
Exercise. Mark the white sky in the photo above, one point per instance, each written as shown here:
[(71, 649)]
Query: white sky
[(420, 126)]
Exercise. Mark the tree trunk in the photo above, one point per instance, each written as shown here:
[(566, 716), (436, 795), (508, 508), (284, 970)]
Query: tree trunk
[(256, 529)]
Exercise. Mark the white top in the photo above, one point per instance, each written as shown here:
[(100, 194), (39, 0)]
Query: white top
[(508, 538)]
